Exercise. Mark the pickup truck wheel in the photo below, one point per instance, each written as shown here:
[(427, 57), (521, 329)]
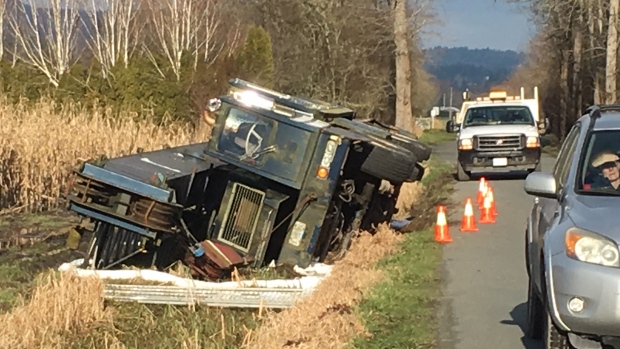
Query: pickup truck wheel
[(535, 313), (552, 338), (388, 161), (461, 174)]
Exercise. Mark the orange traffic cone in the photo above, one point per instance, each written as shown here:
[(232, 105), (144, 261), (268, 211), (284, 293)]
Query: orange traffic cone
[(481, 191), (487, 216), (468, 223), (442, 231), (492, 200)]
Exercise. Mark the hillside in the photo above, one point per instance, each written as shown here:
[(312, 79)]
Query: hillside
[(476, 69)]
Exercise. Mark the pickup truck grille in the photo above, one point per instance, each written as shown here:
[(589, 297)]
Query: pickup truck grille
[(241, 217), (504, 142)]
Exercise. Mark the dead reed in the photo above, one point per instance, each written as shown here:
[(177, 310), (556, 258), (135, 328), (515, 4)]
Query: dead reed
[(326, 318), (40, 144), (61, 306)]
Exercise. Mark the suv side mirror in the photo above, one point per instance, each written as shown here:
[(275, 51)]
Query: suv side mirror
[(541, 184)]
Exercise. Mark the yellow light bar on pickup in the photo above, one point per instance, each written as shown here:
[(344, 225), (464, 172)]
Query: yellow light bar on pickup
[(498, 95)]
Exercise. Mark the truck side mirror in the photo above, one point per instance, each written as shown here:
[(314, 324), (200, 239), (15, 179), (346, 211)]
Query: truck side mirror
[(452, 127), (544, 128)]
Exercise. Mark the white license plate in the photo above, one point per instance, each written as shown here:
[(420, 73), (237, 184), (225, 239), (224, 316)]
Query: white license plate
[(497, 162)]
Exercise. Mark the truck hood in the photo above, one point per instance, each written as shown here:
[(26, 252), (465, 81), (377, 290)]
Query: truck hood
[(468, 132), (598, 214)]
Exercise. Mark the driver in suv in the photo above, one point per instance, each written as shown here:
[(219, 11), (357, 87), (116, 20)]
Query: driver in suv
[(608, 163), (572, 239)]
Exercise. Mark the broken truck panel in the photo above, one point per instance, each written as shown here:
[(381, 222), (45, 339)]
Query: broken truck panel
[(282, 179)]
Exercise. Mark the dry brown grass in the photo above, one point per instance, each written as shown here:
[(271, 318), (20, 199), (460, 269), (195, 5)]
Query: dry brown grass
[(326, 318), (61, 306), (409, 195), (40, 145)]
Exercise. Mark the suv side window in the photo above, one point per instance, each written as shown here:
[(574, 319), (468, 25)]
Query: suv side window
[(566, 155)]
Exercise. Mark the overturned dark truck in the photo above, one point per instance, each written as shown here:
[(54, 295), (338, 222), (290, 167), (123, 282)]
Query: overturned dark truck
[(282, 179)]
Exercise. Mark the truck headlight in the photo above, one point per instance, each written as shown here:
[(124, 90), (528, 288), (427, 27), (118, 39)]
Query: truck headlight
[(592, 248), (532, 142), (466, 144)]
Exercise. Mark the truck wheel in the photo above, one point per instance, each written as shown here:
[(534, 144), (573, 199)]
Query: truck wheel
[(417, 173), (402, 138), (388, 161), (461, 174), (407, 140), (422, 151)]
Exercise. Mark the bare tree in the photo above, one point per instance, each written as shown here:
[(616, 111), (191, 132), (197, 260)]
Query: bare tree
[(183, 27), (612, 53), (45, 38), (404, 111), (113, 32), (3, 7)]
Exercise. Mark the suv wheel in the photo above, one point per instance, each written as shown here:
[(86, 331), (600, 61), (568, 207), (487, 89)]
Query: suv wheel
[(552, 338), (535, 313)]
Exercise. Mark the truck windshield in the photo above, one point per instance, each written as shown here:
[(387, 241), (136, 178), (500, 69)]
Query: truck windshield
[(600, 171), (498, 115), (245, 135)]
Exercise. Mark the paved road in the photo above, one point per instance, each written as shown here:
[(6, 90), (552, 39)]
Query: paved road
[(485, 291)]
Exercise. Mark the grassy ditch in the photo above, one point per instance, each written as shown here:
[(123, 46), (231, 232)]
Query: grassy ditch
[(400, 310), (434, 136), (59, 312)]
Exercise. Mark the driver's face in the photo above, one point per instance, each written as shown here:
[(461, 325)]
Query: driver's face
[(610, 171)]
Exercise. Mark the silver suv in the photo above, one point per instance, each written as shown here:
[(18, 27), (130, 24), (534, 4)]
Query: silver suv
[(572, 238)]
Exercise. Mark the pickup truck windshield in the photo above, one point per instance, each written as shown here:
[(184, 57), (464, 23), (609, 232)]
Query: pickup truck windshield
[(600, 171), (498, 115)]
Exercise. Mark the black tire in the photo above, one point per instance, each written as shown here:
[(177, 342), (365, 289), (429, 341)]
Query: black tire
[(388, 161), (402, 138), (461, 174), (552, 338), (417, 173), (535, 313), (422, 151), (407, 140)]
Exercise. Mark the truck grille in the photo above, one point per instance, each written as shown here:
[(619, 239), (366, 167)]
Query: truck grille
[(507, 142), (241, 217)]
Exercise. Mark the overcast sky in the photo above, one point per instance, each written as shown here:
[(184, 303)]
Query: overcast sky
[(480, 24)]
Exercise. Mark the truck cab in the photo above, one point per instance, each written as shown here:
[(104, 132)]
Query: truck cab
[(499, 132)]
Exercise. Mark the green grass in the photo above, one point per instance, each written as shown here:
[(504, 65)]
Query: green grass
[(433, 137), (400, 311)]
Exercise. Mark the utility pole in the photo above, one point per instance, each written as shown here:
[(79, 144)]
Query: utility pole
[(450, 103)]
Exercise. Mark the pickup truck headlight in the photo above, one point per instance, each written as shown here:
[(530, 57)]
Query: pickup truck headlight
[(466, 144), (592, 248), (532, 142)]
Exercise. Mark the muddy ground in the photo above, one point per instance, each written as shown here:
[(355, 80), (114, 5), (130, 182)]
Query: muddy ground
[(30, 244)]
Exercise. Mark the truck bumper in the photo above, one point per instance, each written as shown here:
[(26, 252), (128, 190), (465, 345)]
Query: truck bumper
[(523, 159)]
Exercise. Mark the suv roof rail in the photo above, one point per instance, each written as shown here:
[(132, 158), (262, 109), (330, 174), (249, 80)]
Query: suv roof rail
[(594, 111)]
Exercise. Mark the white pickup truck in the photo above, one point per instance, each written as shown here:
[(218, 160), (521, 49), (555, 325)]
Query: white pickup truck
[(499, 132)]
